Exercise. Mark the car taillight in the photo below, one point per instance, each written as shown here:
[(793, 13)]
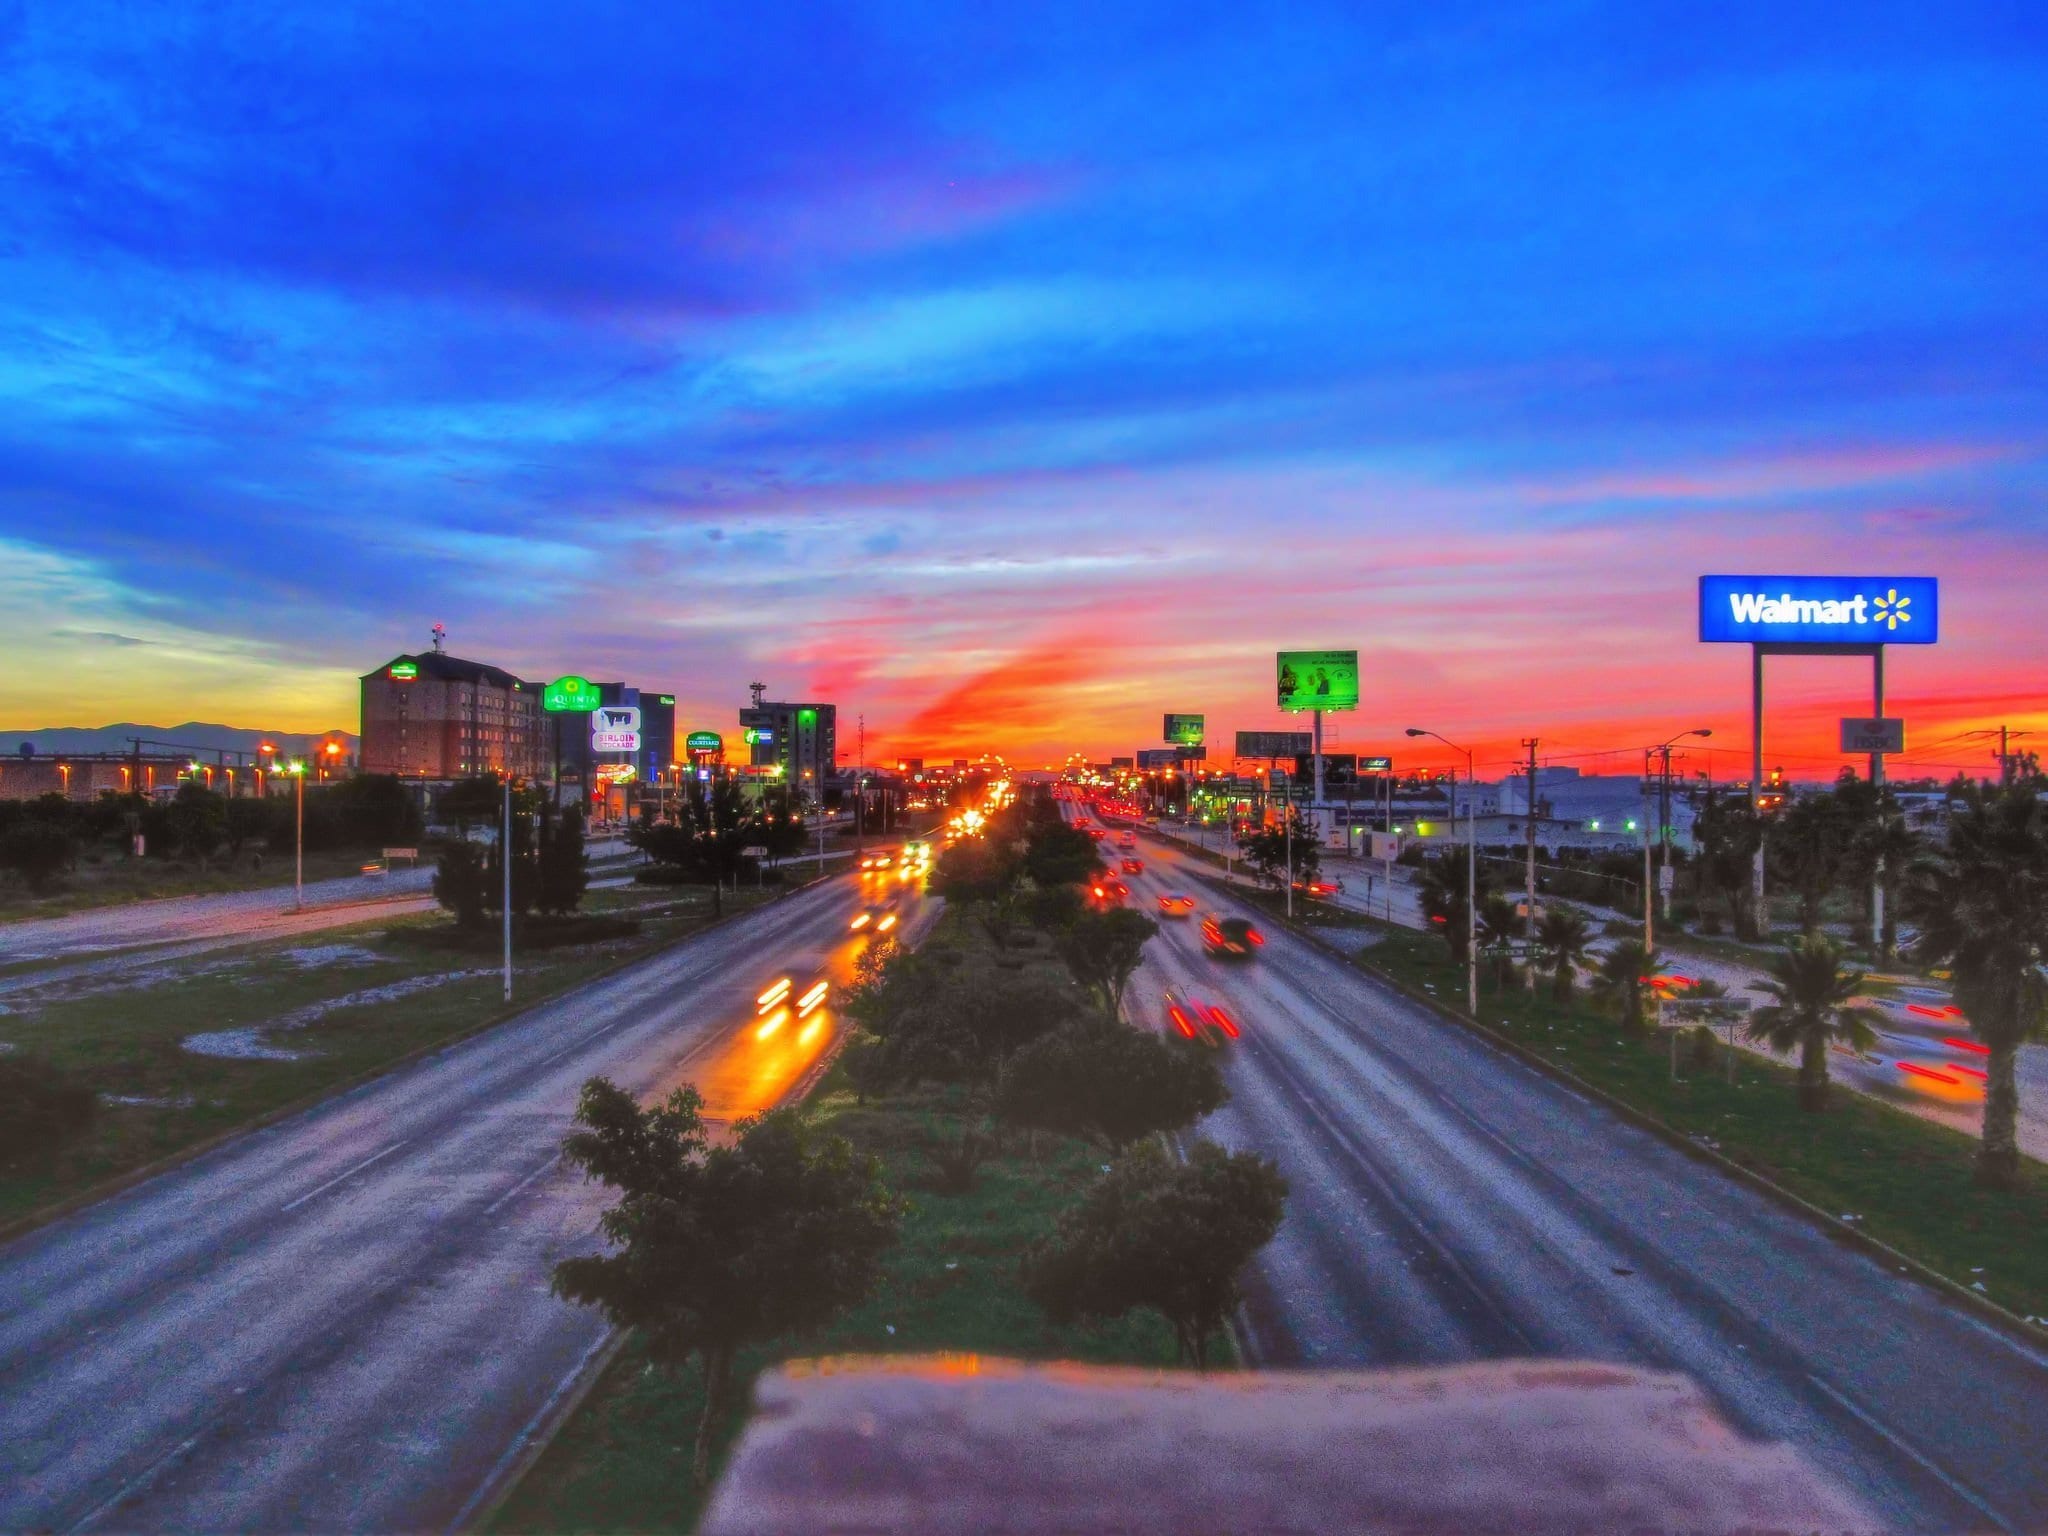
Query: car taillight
[(1180, 1022), (1253, 935), (1223, 1021)]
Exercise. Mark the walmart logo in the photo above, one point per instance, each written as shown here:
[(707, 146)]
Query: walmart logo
[(1891, 609), (1820, 610)]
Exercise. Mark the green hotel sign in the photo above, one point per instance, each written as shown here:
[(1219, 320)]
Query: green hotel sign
[(703, 741), (404, 671), (571, 694)]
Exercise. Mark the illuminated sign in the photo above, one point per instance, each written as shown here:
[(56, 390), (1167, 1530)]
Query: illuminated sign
[(571, 694), (1318, 680), (1163, 757), (616, 773), (704, 741), (1183, 730), (665, 698), (615, 728), (756, 736), (1821, 610), (1375, 765), (404, 671)]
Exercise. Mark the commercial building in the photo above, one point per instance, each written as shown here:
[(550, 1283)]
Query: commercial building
[(802, 739), (568, 755), (438, 717)]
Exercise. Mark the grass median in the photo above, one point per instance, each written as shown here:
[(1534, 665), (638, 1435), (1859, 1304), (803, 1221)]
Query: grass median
[(622, 1463), (195, 1047), (1905, 1181)]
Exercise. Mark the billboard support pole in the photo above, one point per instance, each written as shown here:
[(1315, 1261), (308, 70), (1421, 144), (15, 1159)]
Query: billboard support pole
[(1756, 784), (1316, 724), (1877, 783)]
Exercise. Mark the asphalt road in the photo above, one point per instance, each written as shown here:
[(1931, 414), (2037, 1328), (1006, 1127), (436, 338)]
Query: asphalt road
[(342, 1322), (1451, 1203)]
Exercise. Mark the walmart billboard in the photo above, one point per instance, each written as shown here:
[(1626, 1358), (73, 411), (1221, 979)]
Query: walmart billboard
[(1821, 610)]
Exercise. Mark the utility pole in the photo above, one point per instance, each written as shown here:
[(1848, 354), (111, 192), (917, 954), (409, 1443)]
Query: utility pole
[(505, 868), (1649, 897), (1529, 916), (1664, 834)]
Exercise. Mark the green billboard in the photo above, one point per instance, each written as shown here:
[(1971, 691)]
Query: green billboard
[(1184, 730), (574, 694), (1318, 680)]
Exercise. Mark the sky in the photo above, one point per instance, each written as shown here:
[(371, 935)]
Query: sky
[(1010, 380)]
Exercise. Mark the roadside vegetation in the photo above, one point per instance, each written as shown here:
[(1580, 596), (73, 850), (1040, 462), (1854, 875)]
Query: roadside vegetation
[(1010, 1124), (105, 1069)]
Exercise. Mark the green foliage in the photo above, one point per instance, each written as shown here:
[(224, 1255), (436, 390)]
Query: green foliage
[(1169, 1236), (469, 801), (1104, 1080), (1808, 850), (460, 882), (1983, 911), (564, 872), (196, 819), (1288, 844), (1563, 935), (1446, 885), (1057, 854), (926, 1021), (1811, 989), (41, 1107), (717, 1247), (1622, 981), (36, 851), (1102, 950), (714, 825), (1728, 833), (981, 873)]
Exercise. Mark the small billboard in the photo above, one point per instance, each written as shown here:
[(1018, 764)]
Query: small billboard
[(1375, 765), (703, 741), (1317, 679), (1273, 744), (1183, 730), (1820, 610), (1871, 734)]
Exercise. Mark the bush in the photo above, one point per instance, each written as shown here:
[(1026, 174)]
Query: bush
[(41, 1107), (37, 851)]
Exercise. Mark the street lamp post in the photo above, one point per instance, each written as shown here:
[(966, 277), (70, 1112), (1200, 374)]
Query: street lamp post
[(1663, 831), (297, 770), (1471, 871)]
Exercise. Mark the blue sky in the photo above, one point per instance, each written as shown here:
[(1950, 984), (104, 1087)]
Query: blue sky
[(1013, 378)]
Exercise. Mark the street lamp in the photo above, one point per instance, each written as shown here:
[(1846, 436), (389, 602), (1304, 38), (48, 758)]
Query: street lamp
[(297, 770), (1663, 831), (1471, 870)]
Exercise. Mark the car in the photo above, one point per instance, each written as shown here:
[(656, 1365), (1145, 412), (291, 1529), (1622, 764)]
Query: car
[(1230, 937), (1321, 889), (879, 861), (1109, 892), (1127, 839), (1193, 1019), (1174, 904), (1134, 866)]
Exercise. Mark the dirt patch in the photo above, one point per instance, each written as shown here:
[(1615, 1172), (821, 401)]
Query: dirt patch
[(248, 1043)]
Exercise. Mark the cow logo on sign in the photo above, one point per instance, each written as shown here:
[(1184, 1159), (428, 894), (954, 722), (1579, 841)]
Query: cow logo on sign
[(615, 728)]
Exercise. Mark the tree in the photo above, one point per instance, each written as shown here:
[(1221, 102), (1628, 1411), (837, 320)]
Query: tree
[(1811, 989), (564, 872), (1172, 1237), (40, 1107), (1881, 848), (36, 850), (1102, 951), (1102, 1079), (982, 874), (460, 883), (1057, 854), (196, 819), (1563, 936), (1445, 895), (525, 863), (1809, 849), (1054, 908), (1983, 911), (478, 799), (716, 1248), (247, 820), (1500, 925), (1729, 833), (1622, 977), (1290, 842)]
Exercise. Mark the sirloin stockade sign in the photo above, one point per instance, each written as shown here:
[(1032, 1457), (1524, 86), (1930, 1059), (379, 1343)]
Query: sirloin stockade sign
[(1821, 610)]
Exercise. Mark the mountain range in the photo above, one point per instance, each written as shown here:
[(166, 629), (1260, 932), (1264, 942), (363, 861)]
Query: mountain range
[(56, 741)]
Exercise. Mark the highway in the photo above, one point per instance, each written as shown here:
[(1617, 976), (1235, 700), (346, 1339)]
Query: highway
[(1451, 1203), (342, 1322)]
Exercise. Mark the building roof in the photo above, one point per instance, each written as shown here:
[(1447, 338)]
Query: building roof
[(450, 669)]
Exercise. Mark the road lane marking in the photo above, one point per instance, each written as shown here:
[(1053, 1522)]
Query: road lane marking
[(516, 1188), (126, 1490), (520, 1441), (351, 1173), (1917, 1457), (583, 1040)]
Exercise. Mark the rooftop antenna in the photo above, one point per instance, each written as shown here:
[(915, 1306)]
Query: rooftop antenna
[(440, 638), (757, 689)]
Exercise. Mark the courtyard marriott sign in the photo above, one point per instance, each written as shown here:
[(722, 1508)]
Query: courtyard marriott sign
[(1820, 610)]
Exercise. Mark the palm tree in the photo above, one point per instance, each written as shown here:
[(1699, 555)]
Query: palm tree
[(1563, 936), (1811, 989), (1983, 911), (1444, 882), (1623, 976), (1500, 924)]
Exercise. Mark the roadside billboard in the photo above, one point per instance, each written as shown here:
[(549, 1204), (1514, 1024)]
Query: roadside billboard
[(1158, 757), (1339, 768), (1183, 730), (1317, 679), (1273, 744), (1820, 610)]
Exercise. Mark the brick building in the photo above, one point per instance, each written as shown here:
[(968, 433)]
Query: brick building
[(436, 716)]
